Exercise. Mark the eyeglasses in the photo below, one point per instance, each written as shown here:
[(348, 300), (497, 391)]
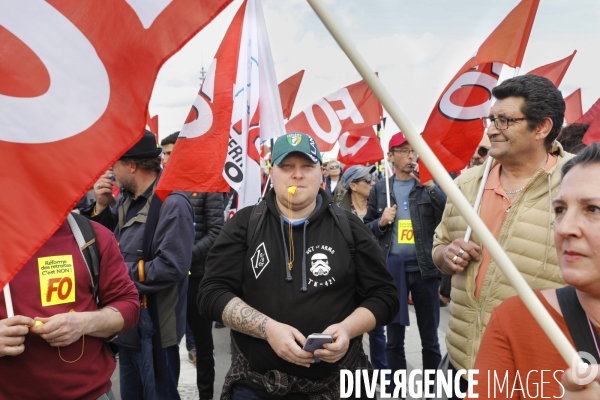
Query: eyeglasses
[(333, 167), (500, 123), (368, 180), (404, 152)]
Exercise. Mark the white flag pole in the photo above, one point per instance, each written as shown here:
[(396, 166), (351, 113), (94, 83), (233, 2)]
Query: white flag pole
[(387, 182), (266, 185), (529, 298), (10, 312), (484, 178)]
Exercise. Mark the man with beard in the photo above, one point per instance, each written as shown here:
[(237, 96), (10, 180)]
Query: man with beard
[(516, 207), (290, 274), (157, 237)]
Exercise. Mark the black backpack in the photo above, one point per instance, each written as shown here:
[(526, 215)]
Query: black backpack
[(338, 213)]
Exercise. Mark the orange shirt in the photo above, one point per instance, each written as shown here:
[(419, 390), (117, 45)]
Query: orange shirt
[(494, 206), (514, 346)]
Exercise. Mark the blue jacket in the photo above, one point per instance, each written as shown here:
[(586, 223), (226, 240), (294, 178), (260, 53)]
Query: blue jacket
[(426, 207)]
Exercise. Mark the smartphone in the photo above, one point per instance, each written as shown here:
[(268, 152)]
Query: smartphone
[(315, 341), (415, 173)]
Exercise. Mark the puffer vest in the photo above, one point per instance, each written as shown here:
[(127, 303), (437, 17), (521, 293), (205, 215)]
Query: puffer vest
[(526, 237)]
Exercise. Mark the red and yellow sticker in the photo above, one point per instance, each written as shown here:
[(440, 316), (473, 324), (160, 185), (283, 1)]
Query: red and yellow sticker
[(405, 232), (57, 280)]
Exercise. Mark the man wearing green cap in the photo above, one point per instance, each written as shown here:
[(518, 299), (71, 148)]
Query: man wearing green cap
[(287, 268)]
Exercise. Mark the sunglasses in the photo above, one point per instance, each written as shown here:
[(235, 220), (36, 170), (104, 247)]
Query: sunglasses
[(368, 180), (333, 167), (482, 151)]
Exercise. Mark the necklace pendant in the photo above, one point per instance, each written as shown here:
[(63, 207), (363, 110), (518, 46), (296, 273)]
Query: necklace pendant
[(405, 204)]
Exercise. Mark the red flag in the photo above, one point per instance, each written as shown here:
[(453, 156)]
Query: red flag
[(237, 108), (75, 101), (288, 90), (152, 124), (350, 108), (554, 71), (454, 127), (592, 118), (574, 109), (359, 147)]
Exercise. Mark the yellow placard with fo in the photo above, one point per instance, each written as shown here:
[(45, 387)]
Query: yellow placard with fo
[(405, 232), (57, 280)]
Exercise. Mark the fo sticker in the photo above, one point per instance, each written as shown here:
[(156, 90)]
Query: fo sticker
[(57, 280), (405, 232)]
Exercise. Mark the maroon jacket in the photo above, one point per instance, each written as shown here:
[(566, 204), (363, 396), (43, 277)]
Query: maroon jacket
[(45, 279)]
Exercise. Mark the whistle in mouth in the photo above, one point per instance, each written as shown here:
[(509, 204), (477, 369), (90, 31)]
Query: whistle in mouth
[(292, 189)]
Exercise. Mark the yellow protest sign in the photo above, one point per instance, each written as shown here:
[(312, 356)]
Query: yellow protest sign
[(57, 280), (405, 232)]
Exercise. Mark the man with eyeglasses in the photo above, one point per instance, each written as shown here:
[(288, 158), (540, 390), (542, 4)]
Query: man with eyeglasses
[(522, 126), (405, 233)]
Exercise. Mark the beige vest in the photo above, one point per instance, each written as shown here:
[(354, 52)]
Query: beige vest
[(526, 236)]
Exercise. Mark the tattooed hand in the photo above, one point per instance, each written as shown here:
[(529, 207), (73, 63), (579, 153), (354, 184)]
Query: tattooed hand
[(282, 338)]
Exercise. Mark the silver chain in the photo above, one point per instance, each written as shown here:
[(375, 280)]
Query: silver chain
[(514, 191)]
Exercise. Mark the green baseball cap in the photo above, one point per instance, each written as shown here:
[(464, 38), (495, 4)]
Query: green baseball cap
[(296, 142)]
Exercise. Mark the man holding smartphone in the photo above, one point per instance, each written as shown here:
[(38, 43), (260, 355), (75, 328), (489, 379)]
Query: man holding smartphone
[(289, 274), (405, 233)]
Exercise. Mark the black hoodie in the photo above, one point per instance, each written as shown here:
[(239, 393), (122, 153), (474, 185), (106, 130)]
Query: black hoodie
[(332, 287)]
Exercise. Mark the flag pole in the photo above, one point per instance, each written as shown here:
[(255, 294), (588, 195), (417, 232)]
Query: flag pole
[(484, 179), (10, 312), (266, 186), (486, 173), (529, 298), (387, 182)]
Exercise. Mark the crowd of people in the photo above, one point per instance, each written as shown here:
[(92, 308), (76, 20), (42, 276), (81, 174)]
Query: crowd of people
[(328, 250)]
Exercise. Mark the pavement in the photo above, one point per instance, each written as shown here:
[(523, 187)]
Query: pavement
[(187, 379)]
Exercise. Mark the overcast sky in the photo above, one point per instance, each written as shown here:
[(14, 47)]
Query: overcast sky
[(416, 46)]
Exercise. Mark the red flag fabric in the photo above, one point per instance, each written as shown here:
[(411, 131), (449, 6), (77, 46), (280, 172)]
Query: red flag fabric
[(288, 90), (152, 124), (359, 147), (574, 109), (75, 101), (454, 127), (237, 108), (554, 71), (350, 108), (592, 118)]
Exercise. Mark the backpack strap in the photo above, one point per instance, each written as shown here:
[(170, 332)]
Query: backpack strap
[(150, 227), (256, 220), (85, 236), (341, 220), (577, 321)]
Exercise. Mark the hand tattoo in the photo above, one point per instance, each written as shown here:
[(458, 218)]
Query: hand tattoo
[(245, 319)]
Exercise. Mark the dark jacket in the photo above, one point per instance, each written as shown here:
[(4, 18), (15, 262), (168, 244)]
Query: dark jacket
[(336, 284), (327, 186), (208, 222), (166, 274), (426, 207)]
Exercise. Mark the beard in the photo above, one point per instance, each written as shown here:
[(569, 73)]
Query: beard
[(129, 184)]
